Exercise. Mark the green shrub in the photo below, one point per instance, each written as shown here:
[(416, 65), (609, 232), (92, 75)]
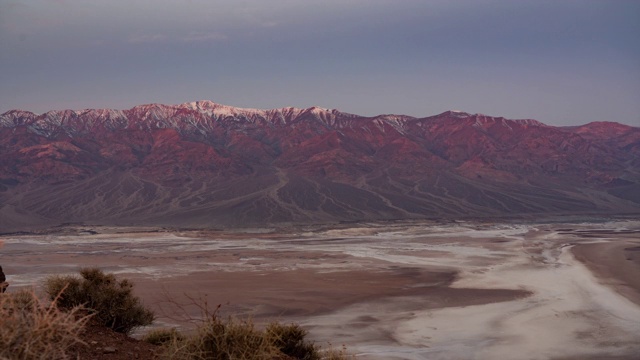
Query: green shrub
[(112, 301), (290, 340), (163, 336), (30, 329)]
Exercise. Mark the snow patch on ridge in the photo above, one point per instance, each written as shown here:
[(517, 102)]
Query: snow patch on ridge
[(201, 117), (279, 115)]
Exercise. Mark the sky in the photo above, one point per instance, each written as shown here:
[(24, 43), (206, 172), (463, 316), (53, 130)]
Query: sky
[(562, 62)]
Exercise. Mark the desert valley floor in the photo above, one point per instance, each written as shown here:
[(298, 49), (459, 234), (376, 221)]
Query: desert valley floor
[(403, 290)]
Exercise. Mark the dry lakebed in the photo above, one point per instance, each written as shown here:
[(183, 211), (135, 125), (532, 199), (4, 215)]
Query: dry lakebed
[(395, 290)]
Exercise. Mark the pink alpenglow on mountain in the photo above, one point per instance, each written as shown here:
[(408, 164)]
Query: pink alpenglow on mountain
[(203, 164)]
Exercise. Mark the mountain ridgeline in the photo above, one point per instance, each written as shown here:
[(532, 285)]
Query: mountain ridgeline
[(203, 164)]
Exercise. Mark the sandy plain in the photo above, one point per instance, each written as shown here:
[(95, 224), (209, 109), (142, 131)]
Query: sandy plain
[(414, 290)]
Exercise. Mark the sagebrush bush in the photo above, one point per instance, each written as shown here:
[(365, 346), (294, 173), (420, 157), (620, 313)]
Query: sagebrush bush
[(234, 339), (109, 299), (163, 336), (223, 340), (31, 329), (290, 340)]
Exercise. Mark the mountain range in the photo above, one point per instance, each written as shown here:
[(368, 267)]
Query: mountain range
[(203, 164)]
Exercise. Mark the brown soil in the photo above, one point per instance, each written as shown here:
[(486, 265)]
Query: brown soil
[(615, 263), (101, 341), (302, 292)]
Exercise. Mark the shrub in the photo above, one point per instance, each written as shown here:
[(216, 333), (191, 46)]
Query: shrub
[(235, 339), (223, 340), (112, 301), (290, 340), (163, 336), (31, 329)]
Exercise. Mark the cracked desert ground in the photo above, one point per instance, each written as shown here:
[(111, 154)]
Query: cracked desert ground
[(395, 290)]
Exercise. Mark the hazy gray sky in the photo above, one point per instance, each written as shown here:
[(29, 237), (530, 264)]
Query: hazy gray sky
[(559, 61)]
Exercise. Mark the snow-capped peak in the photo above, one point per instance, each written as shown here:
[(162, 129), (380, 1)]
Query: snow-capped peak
[(457, 113)]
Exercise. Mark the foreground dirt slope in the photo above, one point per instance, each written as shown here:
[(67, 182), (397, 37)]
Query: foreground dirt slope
[(205, 164), (102, 343)]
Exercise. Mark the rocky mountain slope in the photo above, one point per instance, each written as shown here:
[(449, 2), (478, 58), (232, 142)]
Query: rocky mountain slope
[(203, 164)]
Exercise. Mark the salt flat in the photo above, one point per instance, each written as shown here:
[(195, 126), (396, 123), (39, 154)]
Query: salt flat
[(387, 291)]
